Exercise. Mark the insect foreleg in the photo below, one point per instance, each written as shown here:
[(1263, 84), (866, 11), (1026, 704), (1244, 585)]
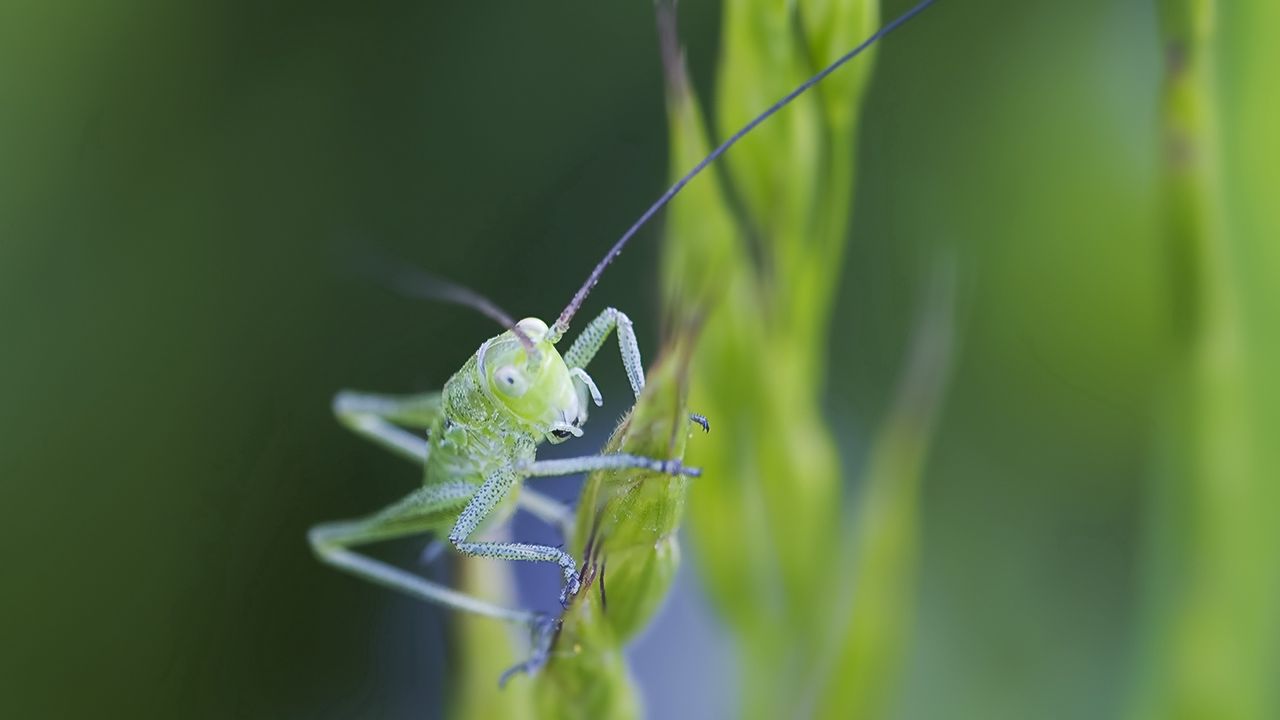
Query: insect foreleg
[(377, 417), (587, 344), (592, 338), (494, 489), (421, 511), (612, 461)]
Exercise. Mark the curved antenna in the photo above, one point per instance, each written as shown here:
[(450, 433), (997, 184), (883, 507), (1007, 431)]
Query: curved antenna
[(562, 323), (414, 283)]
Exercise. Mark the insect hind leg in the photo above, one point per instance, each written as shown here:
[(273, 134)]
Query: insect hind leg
[(419, 512)]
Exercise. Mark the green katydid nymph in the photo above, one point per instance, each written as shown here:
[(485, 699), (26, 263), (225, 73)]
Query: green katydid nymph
[(483, 429)]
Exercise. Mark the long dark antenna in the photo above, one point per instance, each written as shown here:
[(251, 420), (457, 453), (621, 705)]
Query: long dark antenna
[(415, 283), (562, 323)]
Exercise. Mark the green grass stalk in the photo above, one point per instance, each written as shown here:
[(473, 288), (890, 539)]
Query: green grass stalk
[(483, 649), (766, 516), (626, 538), (1211, 627)]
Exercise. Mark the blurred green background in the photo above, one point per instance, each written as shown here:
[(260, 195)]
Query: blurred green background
[(180, 187)]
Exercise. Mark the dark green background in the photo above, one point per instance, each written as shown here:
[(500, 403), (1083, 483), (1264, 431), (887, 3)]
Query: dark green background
[(182, 184)]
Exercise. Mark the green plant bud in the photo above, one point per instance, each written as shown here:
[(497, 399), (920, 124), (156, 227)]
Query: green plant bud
[(626, 537)]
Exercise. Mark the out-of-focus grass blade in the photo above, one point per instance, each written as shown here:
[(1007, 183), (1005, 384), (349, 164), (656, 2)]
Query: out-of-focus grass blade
[(484, 649), (765, 515), (876, 608), (1212, 644)]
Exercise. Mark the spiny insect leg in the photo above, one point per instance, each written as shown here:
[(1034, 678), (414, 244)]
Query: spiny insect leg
[(612, 461), (494, 489), (380, 418), (584, 349), (419, 512)]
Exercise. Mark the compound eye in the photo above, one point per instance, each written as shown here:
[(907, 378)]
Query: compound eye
[(561, 434), (510, 381)]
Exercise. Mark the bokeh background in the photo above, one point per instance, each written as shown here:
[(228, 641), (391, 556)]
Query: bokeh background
[(181, 185)]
